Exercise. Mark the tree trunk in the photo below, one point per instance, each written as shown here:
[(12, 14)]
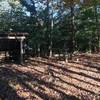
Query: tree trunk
[(90, 45), (38, 49), (72, 36), (96, 22), (51, 33), (99, 42), (50, 49)]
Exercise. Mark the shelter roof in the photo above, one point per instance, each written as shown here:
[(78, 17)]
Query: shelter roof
[(5, 34)]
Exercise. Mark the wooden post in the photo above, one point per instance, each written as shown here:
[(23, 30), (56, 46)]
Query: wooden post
[(21, 51)]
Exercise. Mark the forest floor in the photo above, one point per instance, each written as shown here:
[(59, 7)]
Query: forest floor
[(47, 79)]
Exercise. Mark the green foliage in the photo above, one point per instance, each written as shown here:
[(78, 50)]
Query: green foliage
[(79, 25)]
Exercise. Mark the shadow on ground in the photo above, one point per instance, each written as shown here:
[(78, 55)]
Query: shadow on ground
[(14, 75), (7, 92)]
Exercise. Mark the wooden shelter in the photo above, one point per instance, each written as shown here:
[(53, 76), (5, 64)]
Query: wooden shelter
[(13, 43)]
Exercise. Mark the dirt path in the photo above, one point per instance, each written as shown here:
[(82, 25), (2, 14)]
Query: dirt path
[(43, 79)]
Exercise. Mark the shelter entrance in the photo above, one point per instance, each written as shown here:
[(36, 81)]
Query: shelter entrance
[(12, 47)]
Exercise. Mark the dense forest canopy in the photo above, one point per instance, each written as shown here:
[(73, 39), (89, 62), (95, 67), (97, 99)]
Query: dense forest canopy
[(55, 26)]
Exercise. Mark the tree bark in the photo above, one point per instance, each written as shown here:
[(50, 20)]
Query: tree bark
[(72, 36), (96, 22), (38, 49), (51, 33)]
